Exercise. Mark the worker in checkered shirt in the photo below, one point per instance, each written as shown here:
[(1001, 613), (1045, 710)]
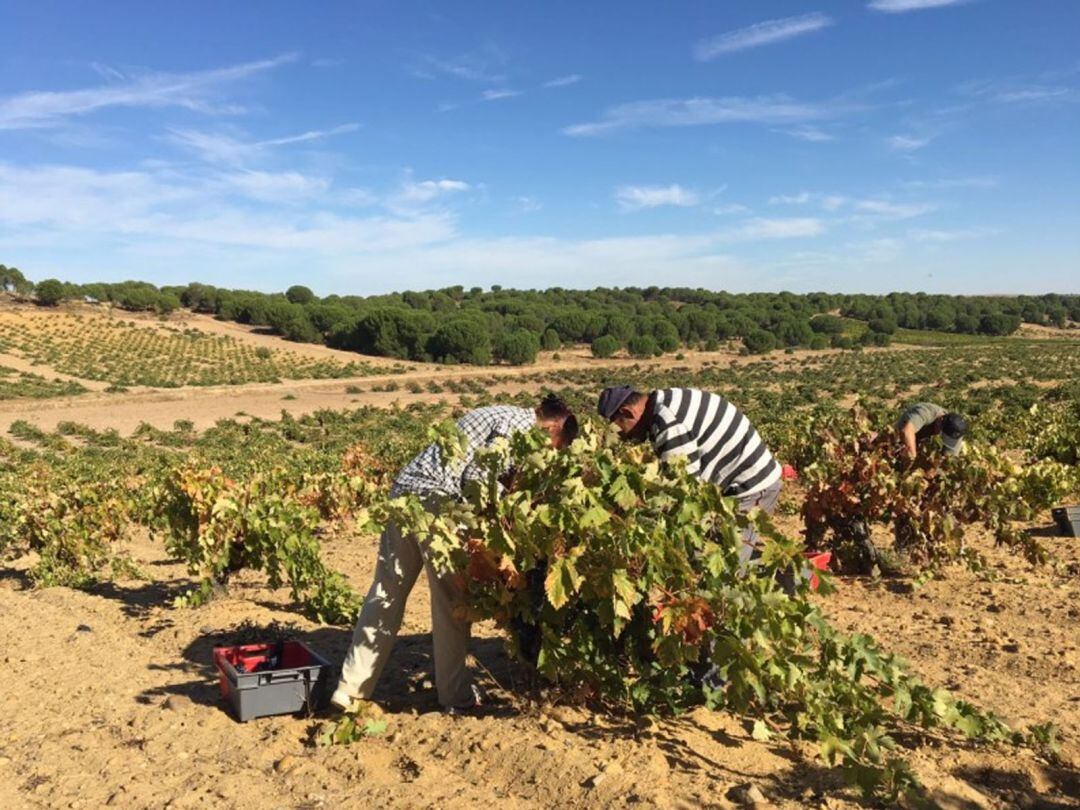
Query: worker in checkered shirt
[(401, 557)]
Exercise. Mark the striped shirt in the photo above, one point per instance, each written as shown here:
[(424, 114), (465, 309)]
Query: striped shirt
[(720, 444), (427, 474)]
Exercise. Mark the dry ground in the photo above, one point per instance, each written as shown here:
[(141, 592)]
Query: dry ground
[(111, 701), (205, 405)]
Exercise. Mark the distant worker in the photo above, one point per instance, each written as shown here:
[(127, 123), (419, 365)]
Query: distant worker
[(919, 423), (720, 444), (401, 557)]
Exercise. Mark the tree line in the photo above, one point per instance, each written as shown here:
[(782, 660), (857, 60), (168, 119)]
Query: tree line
[(477, 326)]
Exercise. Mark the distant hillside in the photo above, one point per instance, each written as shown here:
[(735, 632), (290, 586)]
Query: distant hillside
[(455, 325)]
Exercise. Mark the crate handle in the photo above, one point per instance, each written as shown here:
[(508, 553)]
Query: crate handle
[(288, 675)]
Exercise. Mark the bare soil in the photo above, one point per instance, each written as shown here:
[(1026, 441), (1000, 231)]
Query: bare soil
[(110, 697), (111, 700)]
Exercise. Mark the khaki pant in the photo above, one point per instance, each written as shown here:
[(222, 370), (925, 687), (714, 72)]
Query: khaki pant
[(398, 566), (765, 500)]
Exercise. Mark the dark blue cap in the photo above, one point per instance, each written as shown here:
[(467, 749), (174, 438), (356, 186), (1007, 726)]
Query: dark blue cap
[(611, 399)]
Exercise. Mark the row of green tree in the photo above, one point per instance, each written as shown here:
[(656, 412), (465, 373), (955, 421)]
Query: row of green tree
[(456, 325)]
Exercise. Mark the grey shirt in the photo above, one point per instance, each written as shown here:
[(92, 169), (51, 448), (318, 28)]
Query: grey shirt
[(921, 416)]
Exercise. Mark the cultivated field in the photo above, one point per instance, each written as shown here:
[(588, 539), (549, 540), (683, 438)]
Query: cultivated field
[(113, 700)]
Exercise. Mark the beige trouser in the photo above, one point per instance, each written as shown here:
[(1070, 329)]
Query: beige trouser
[(398, 566)]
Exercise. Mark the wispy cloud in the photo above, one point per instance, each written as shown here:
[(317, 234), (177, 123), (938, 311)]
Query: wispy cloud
[(482, 65), (425, 191), (863, 210), (527, 205), (801, 198), (107, 71), (691, 112), (75, 204), (808, 133), (499, 94), (564, 81), (938, 236), (762, 33), (952, 182), (284, 188), (193, 91), (789, 228), (635, 198), (901, 6), (730, 208), (217, 147), (830, 202), (907, 143), (1016, 91), (887, 209)]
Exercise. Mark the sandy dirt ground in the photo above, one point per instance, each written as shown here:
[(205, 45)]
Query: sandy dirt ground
[(205, 405), (112, 700)]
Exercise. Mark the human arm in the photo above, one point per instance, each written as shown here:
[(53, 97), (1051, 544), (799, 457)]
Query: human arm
[(503, 426), (673, 439), (907, 432)]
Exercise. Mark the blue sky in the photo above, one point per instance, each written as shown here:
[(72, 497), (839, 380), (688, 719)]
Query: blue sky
[(362, 147)]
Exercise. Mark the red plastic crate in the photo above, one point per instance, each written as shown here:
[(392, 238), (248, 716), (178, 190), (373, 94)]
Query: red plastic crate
[(818, 561), (298, 679)]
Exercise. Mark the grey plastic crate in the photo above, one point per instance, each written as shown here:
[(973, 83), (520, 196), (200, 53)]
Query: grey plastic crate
[(298, 680), (1067, 519)]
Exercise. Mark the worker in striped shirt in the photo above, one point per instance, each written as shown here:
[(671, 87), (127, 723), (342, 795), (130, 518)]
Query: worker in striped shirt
[(401, 557), (719, 443)]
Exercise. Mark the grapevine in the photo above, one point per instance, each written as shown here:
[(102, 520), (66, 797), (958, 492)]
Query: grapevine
[(862, 478), (643, 586)]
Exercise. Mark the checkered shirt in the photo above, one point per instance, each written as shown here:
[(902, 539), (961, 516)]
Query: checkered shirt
[(427, 474)]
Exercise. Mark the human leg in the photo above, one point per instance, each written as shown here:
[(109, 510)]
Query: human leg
[(396, 570)]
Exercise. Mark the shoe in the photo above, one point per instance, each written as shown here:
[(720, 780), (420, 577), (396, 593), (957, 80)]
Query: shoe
[(469, 707), (341, 700)]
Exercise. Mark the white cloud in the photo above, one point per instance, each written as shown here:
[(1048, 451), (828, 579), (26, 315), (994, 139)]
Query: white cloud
[(789, 228), (830, 202), (937, 236), (527, 205), (194, 91), (699, 112), (907, 143), (1029, 94), (107, 71), (496, 95), (425, 191), (73, 205), (222, 148), (886, 209), (635, 198), (952, 182), (730, 208), (885, 249), (762, 33), (564, 81), (867, 211), (801, 198), (808, 133), (278, 187), (901, 6), (482, 65)]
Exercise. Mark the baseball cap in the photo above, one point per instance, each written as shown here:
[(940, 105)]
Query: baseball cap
[(611, 399), (953, 429)]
